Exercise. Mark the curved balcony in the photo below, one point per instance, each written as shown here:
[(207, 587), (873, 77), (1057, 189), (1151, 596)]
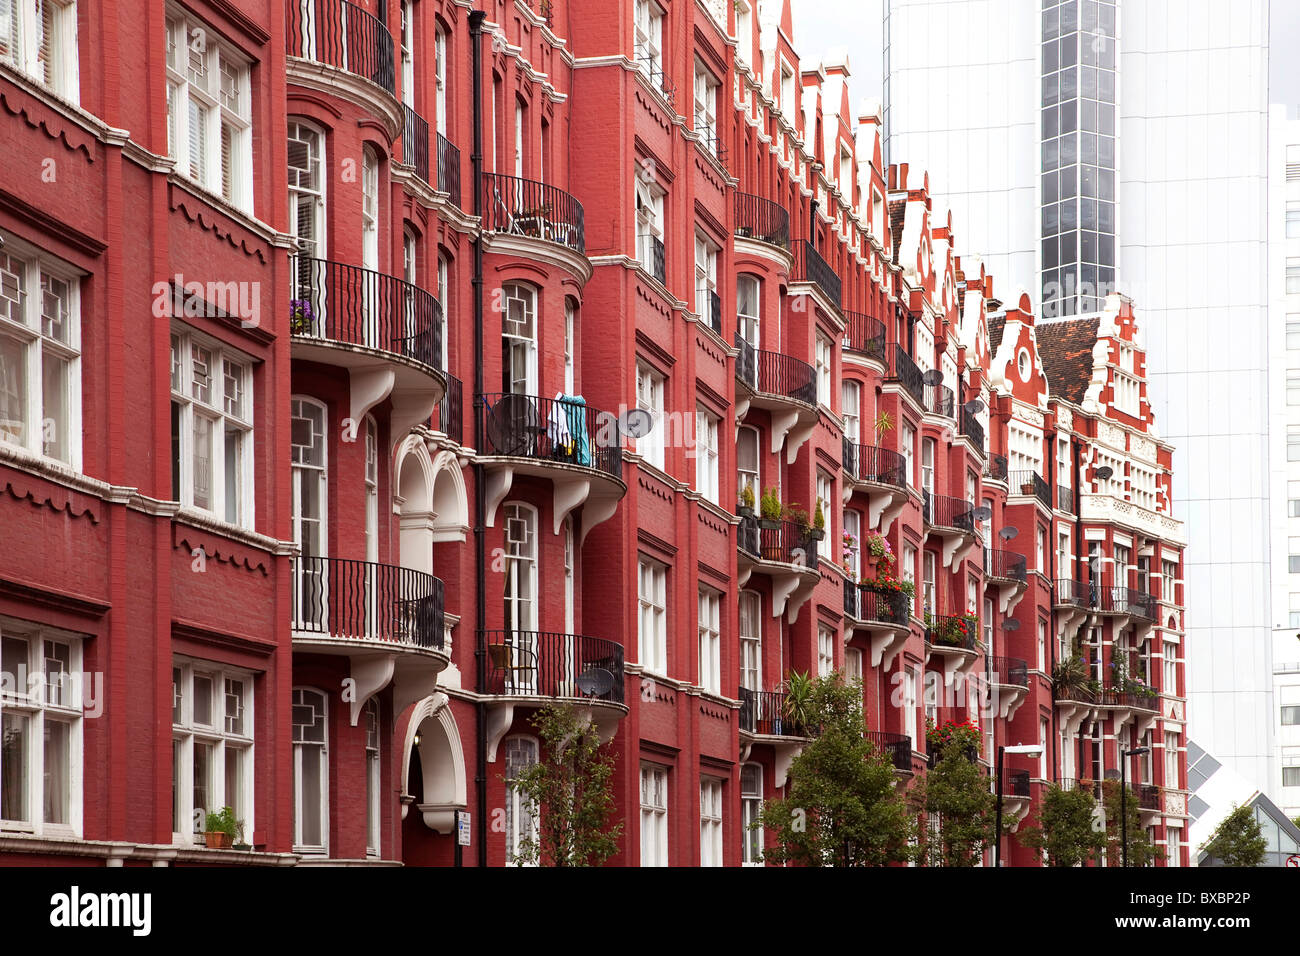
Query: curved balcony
[(864, 335), (415, 143), (1010, 679), (786, 387), (885, 616), (939, 400), (385, 331), (897, 747), (1006, 571), (972, 429), (952, 640), (761, 220), (953, 521), (809, 266), (785, 552), (330, 41), (523, 207), (906, 373), (534, 668), (578, 448), (1030, 484), (996, 470), (387, 620), (881, 475)]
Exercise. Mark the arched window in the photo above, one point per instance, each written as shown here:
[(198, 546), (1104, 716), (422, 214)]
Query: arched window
[(310, 481), (521, 753), (748, 308), (521, 567), (310, 772), (519, 340)]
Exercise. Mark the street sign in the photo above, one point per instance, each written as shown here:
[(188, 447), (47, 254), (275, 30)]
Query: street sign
[(1293, 861), (462, 827)]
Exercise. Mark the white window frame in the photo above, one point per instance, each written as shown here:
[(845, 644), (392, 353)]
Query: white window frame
[(708, 625), (317, 750), (24, 32), (654, 815), (519, 324), (706, 108), (907, 448), (710, 821), (706, 276), (850, 410), (825, 651), (827, 500), (707, 426), (746, 440), (648, 35), (198, 83), (652, 633), (750, 623), (751, 809), (188, 732), (216, 408), (749, 323), (39, 702), (440, 79), (570, 346), (520, 753), (374, 778), (824, 357), (650, 388), (29, 281), (649, 220)]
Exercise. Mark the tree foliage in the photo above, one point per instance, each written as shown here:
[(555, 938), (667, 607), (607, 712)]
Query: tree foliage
[(1238, 840), (1141, 851), (955, 795), (842, 807), (1064, 828), (569, 792)]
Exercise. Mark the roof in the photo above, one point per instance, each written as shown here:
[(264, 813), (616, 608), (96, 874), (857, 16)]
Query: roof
[(995, 325), (897, 213), (1065, 349)]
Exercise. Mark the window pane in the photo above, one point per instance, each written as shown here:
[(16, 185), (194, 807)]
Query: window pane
[(54, 399), (58, 751), (202, 784), (234, 445), (13, 767), (235, 781), (13, 389), (203, 700), (202, 462)]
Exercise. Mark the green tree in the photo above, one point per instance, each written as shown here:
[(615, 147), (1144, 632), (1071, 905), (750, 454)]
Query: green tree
[(955, 795), (568, 791), (842, 807), (1238, 840), (1141, 851), (1063, 830)]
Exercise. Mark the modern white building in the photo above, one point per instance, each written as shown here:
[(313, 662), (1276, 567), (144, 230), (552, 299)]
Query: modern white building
[(1085, 142), (1284, 451)]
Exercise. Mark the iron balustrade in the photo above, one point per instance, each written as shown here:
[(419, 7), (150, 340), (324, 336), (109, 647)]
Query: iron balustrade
[(449, 416), (563, 430), (650, 253), (941, 511), (871, 463), (337, 302), (1009, 670), (904, 371), (1005, 564), (747, 535), (715, 312), (746, 363), (449, 170), (885, 607), (897, 747), (864, 334), (1031, 483), (1148, 796), (365, 601), (787, 376), (342, 35), (711, 140), (1076, 593), (1065, 499), (415, 143), (809, 266), (787, 543), (942, 629), (939, 400), (762, 220), (763, 712), (549, 664), (1106, 598), (1080, 694), (658, 79), (972, 428), (1071, 783), (997, 469), (1016, 784), (525, 207)]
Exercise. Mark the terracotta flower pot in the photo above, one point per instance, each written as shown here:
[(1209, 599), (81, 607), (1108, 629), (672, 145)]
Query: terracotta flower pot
[(870, 566), (217, 840)]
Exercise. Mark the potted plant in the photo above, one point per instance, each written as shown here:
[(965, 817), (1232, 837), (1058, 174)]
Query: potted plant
[(796, 706), (846, 552), (747, 501), (819, 522), (769, 510), (1070, 674), (875, 551), (221, 828), (796, 513), (962, 736), (301, 317), (884, 423), (1027, 488)]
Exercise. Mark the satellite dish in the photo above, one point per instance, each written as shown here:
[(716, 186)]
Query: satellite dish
[(1104, 472), (596, 682), (983, 514), (1112, 774), (973, 407), (932, 377), (636, 422), (1011, 624), (1006, 534)]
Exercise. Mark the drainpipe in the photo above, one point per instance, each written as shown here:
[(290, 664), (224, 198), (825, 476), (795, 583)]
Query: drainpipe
[(813, 205), (476, 19)]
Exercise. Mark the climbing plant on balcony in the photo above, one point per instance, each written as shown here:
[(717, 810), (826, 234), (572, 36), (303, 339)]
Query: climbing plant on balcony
[(842, 807), (958, 631), (570, 791)]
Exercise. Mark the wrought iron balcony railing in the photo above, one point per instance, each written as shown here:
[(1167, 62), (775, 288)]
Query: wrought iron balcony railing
[(1077, 593), (746, 363), (547, 664), (449, 417), (415, 143), (786, 376), (650, 253), (1106, 598), (342, 35), (883, 607), (972, 428), (997, 468), (788, 542), (870, 463), (1071, 783), (449, 170), (763, 712), (939, 400), (1031, 483), (715, 312), (761, 219), (653, 71), (1065, 499), (337, 302), (897, 747), (864, 334), (809, 266), (1005, 564), (1017, 783), (1148, 796), (524, 207), (952, 630), (365, 601), (941, 511), (904, 371), (562, 430), (1009, 670)]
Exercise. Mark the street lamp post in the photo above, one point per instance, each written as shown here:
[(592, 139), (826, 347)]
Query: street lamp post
[(1030, 750), (1123, 799)]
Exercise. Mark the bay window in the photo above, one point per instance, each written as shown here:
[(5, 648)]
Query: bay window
[(212, 746)]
